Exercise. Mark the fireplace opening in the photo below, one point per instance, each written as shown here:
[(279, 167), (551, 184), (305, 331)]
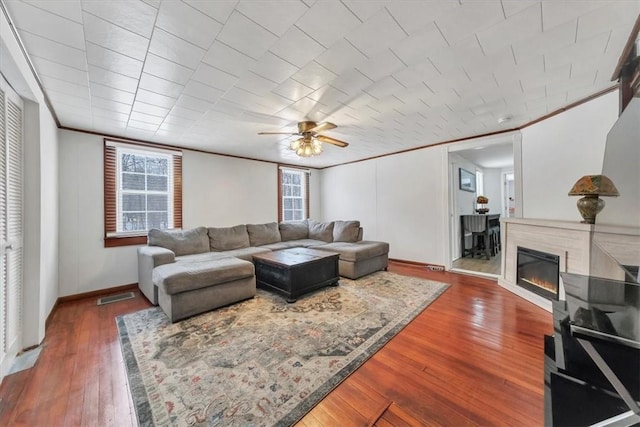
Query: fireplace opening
[(539, 272)]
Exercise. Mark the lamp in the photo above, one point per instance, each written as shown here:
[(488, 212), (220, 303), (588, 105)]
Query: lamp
[(306, 147), (482, 200), (591, 187)]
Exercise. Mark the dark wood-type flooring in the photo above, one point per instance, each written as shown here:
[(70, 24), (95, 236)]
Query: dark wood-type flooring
[(474, 357)]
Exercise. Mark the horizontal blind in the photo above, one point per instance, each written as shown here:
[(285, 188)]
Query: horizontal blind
[(110, 171), (177, 191), (3, 228)]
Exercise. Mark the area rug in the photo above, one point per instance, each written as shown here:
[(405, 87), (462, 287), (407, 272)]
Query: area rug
[(263, 362)]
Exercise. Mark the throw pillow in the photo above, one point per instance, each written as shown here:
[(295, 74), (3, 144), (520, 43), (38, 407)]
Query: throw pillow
[(181, 242), (228, 238), (294, 230), (321, 231), (263, 234), (346, 231)]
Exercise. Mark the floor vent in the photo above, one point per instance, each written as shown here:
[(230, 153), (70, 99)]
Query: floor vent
[(115, 298)]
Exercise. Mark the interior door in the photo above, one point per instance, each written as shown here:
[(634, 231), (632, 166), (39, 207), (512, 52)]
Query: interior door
[(11, 227)]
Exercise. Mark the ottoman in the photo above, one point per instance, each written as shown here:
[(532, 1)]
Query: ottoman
[(189, 288), (358, 259)]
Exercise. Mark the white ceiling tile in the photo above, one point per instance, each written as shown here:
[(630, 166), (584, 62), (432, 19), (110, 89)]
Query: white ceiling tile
[(582, 50), (109, 105), (352, 83), (54, 51), (228, 59), (484, 66), (177, 121), (381, 65), (220, 10), (166, 69), (277, 17), (113, 61), (256, 84), (146, 118), (45, 24), (115, 38), (115, 80), (153, 110), (154, 98), (154, 3), (69, 9), (246, 36), (385, 87), (45, 67), (109, 114), (522, 25), (133, 15), (366, 9), (418, 45), (160, 86), (242, 97), (113, 94), (471, 17), (136, 124), (554, 38), (214, 77), (188, 23), (511, 7), (185, 113), (73, 116), (314, 75), (202, 91), (326, 95), (622, 13), (417, 74), (226, 107), (175, 49), (60, 99), (273, 68), (523, 70), (560, 12), (292, 90), (275, 102), (465, 52), (65, 87), (193, 103), (327, 22), (340, 57), (546, 78), (296, 47), (379, 32)]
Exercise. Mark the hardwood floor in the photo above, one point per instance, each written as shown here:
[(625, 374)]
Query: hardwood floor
[(474, 357), (481, 265)]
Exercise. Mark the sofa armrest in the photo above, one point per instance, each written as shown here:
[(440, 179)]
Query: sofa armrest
[(150, 257), (360, 234)]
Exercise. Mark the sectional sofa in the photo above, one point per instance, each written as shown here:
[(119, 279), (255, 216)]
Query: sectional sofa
[(188, 272)]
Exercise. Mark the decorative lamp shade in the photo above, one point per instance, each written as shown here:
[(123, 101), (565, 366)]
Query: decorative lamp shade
[(597, 185), (483, 200), (592, 187)]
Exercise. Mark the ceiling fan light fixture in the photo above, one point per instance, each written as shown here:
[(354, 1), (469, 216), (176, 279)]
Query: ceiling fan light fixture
[(307, 147)]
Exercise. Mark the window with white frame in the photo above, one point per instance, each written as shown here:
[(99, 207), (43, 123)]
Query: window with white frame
[(142, 190), (294, 194)]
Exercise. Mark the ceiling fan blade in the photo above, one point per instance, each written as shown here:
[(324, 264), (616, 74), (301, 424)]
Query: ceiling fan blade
[(322, 127), (330, 140), (278, 133)]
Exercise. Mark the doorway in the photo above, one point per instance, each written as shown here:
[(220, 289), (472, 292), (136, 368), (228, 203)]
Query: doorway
[(492, 161)]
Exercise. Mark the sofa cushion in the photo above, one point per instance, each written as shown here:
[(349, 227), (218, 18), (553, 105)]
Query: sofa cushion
[(228, 238), (346, 231), (263, 234), (357, 251), (321, 231), (187, 276), (294, 230), (181, 242)]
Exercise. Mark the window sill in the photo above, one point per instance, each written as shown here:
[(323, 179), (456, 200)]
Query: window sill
[(115, 241)]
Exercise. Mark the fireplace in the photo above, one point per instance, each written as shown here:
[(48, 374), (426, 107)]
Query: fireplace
[(538, 272)]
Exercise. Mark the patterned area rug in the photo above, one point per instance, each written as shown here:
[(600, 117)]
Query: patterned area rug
[(263, 362)]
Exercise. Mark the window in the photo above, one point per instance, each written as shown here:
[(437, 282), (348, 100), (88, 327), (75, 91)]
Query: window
[(293, 194), (143, 190)]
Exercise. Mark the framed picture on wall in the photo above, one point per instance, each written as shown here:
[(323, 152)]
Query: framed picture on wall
[(467, 180)]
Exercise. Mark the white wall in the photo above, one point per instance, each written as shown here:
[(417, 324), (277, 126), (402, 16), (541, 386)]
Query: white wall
[(558, 151), (40, 279), (493, 189), (217, 191), (398, 199)]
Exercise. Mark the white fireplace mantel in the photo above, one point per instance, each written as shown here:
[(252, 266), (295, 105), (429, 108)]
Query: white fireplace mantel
[(573, 243)]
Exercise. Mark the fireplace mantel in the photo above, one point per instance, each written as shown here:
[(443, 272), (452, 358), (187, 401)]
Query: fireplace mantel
[(585, 249)]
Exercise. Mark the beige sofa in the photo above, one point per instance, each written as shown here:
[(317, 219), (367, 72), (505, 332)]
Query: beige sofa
[(188, 272)]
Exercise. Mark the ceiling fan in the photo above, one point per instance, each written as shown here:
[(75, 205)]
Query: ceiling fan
[(311, 142)]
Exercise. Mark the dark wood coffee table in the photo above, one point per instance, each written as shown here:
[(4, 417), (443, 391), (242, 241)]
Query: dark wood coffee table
[(295, 272)]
